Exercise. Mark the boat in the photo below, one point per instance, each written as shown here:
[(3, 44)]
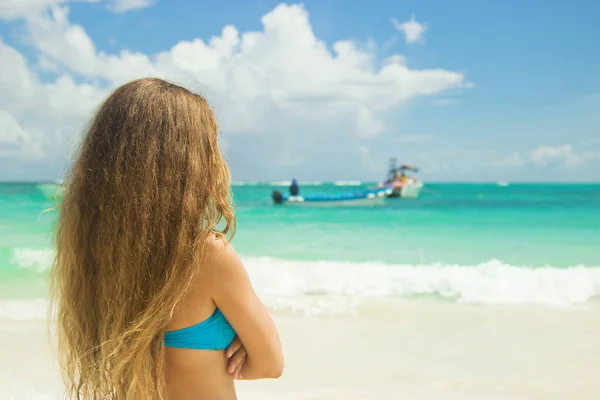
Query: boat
[(366, 197), (402, 185)]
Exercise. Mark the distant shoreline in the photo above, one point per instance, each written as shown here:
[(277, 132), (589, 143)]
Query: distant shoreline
[(356, 183)]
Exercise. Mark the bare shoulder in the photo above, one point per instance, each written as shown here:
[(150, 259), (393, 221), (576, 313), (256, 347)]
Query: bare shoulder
[(222, 265), (220, 254), (198, 303)]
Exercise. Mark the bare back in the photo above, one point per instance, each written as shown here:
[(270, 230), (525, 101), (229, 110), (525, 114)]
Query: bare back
[(202, 374), (197, 374)]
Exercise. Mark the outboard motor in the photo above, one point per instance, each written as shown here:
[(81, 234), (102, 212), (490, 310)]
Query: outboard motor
[(277, 197)]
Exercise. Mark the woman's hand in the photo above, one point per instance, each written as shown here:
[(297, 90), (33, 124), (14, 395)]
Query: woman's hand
[(236, 354)]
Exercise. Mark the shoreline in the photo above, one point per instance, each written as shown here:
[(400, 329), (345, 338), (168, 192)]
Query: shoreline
[(388, 350)]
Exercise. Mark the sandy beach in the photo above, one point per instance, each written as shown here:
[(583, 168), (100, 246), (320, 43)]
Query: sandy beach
[(391, 350)]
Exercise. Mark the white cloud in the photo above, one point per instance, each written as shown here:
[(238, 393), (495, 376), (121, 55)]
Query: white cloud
[(565, 155), (19, 9), (368, 125), (61, 43), (514, 160), (120, 6), (16, 9), (395, 59), (38, 115), (14, 140), (413, 31), (258, 81)]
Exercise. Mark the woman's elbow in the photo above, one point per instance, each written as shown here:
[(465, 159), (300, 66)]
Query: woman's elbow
[(275, 363), (276, 369)]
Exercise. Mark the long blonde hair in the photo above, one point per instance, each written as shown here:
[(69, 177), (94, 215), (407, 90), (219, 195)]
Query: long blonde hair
[(147, 189)]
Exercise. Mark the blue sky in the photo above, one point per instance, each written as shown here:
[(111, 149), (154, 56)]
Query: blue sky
[(510, 88)]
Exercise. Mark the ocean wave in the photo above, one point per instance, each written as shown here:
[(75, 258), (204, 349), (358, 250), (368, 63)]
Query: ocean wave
[(328, 287), (275, 183), (279, 183), (245, 183), (39, 260), (311, 183), (24, 309), (490, 283), (347, 183)]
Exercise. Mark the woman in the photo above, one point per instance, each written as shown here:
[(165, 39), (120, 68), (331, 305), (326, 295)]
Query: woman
[(152, 301)]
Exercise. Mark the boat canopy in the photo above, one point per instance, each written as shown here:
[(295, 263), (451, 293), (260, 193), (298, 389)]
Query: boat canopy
[(407, 167)]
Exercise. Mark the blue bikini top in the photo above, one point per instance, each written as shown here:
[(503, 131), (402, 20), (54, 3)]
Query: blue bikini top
[(214, 333)]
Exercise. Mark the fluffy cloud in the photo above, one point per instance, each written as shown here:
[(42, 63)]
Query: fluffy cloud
[(284, 67), (19, 9), (39, 115), (14, 140), (265, 81), (120, 6), (514, 160), (367, 124), (564, 155), (413, 31), (546, 154)]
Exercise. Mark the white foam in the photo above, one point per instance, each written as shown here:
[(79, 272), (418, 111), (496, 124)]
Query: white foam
[(347, 183), (334, 287), (279, 183), (288, 183), (245, 183), (311, 183), (24, 309), (275, 183), (39, 260), (490, 283)]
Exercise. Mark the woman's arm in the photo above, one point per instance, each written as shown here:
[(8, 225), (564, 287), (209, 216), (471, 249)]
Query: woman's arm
[(234, 295)]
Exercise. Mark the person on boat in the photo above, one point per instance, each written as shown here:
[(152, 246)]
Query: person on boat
[(294, 188), (152, 301)]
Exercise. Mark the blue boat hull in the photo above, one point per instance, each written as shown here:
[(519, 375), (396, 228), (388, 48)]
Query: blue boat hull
[(359, 198)]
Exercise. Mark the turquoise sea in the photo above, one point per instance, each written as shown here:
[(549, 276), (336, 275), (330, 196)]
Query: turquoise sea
[(479, 243)]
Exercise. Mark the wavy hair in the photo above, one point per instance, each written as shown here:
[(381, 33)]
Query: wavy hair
[(147, 190)]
